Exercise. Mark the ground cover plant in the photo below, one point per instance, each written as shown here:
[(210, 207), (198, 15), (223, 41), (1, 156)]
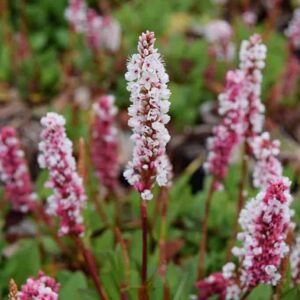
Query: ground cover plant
[(149, 150)]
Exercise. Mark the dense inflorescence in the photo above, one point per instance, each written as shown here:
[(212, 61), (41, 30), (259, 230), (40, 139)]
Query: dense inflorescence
[(292, 68), (229, 133), (260, 258), (295, 261), (111, 33), (42, 288), (105, 142), (99, 31), (252, 61), (267, 167), (93, 29), (69, 197), (76, 15), (293, 30), (219, 34), (215, 284), (221, 284), (149, 94), (240, 108), (268, 214), (14, 172)]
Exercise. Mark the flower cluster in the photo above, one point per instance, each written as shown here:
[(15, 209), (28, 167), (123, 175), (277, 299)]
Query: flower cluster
[(147, 83), (14, 172), (93, 29), (219, 34), (291, 75), (267, 167), (221, 284), (42, 288), (215, 284), (111, 33), (76, 14), (267, 215), (100, 31), (252, 61), (105, 142), (293, 30), (295, 261), (230, 132), (69, 197), (240, 108), (249, 17)]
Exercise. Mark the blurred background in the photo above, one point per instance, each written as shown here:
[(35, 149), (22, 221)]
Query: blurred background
[(47, 62)]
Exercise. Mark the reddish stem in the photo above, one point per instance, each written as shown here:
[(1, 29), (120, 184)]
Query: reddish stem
[(143, 291), (91, 264), (203, 241), (162, 241), (125, 285), (240, 204)]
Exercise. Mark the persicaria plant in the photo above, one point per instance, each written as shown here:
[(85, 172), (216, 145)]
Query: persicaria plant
[(109, 214)]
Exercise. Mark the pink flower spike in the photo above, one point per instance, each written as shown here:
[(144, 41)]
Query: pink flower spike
[(111, 33), (221, 284), (42, 288), (229, 133), (267, 167), (105, 142), (219, 34), (69, 197), (76, 14), (93, 29), (249, 17), (252, 61), (295, 262), (215, 284), (293, 30), (267, 215), (14, 172), (147, 83)]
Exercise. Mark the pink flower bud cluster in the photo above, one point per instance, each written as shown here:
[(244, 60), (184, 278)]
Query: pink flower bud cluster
[(295, 262), (240, 108), (249, 17), (215, 284), (69, 197), (149, 96), (229, 133), (105, 142), (76, 14), (42, 288), (14, 172), (93, 29), (252, 61), (265, 221), (267, 167), (290, 76), (221, 284), (99, 31), (219, 34), (293, 30)]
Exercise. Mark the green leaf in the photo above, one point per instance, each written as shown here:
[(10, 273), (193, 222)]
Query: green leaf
[(72, 285), (38, 40), (261, 292), (25, 263)]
